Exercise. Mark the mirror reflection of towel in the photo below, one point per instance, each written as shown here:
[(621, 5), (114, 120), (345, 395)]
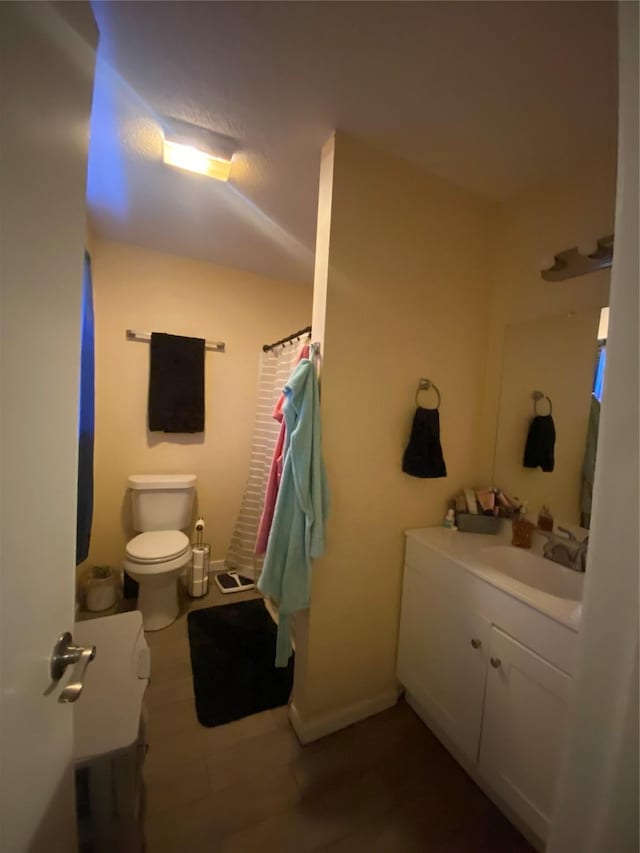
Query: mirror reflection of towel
[(176, 383), (423, 456), (541, 442)]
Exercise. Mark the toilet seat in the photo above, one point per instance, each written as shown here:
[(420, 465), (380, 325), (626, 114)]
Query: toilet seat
[(157, 552), (157, 546)]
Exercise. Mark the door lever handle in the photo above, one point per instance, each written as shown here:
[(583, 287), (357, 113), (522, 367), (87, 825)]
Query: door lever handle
[(74, 688), (65, 654)]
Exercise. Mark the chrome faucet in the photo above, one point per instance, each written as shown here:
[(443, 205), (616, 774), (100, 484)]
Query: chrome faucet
[(567, 550)]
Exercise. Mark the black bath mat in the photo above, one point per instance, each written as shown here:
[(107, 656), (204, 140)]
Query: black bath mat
[(233, 649)]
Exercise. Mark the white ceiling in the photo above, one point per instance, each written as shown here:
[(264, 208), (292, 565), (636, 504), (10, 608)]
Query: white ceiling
[(492, 96)]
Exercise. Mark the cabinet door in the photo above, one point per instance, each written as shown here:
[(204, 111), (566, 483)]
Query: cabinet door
[(523, 729), (437, 661)]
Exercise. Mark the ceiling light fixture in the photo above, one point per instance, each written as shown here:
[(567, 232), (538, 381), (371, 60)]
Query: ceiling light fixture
[(196, 149), (194, 160)]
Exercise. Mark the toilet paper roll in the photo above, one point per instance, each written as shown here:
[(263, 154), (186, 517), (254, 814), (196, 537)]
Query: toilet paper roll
[(198, 576)]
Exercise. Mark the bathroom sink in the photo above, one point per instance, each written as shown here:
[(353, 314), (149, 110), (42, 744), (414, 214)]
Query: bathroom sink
[(534, 571)]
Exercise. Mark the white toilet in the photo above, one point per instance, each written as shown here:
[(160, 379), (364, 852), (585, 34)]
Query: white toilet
[(161, 507)]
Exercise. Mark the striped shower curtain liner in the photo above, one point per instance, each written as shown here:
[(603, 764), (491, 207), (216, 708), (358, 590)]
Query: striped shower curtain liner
[(275, 369)]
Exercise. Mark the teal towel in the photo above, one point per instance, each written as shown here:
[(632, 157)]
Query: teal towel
[(297, 530)]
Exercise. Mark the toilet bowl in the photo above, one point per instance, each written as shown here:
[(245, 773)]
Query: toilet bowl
[(161, 509), (155, 560)]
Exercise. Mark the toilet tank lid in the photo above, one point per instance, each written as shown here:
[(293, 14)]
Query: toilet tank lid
[(149, 482)]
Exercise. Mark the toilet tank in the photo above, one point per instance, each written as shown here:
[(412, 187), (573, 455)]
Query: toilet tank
[(161, 501)]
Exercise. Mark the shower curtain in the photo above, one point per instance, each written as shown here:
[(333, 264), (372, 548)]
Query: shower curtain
[(275, 368)]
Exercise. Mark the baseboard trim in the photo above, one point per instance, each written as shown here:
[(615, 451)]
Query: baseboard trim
[(318, 727), (216, 566)]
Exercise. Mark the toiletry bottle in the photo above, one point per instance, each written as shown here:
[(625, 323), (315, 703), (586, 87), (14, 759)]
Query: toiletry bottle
[(450, 520), (470, 496), (487, 499), (545, 519)]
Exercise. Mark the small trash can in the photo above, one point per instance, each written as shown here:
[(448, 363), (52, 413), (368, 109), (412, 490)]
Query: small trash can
[(100, 589)]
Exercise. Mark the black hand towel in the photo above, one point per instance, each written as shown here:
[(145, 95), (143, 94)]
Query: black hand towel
[(541, 442), (423, 456), (176, 383)]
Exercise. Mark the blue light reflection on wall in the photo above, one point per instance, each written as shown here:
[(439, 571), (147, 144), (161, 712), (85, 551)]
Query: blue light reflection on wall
[(598, 381), (106, 182)]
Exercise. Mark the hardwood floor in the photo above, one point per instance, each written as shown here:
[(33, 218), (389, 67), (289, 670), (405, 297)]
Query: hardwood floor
[(384, 785)]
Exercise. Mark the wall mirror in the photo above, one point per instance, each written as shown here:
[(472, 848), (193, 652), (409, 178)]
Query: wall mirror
[(563, 356)]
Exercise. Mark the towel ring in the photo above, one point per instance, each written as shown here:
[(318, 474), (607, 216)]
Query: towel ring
[(425, 385), (538, 395)]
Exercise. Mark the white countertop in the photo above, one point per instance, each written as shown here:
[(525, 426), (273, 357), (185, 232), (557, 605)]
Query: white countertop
[(466, 550), (107, 713)]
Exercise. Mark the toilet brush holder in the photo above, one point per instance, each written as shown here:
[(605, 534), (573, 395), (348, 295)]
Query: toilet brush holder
[(198, 571)]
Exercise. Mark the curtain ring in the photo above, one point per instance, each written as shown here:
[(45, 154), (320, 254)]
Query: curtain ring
[(425, 385), (537, 396)]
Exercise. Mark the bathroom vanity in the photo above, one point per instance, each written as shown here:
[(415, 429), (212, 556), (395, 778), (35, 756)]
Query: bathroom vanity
[(487, 650)]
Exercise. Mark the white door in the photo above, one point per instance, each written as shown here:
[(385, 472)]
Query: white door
[(523, 729), (47, 82), (442, 656)]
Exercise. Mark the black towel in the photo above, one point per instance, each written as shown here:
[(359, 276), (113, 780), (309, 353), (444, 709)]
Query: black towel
[(541, 442), (423, 456), (176, 383)]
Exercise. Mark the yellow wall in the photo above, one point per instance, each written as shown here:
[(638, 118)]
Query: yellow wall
[(149, 291), (545, 219), (407, 295)]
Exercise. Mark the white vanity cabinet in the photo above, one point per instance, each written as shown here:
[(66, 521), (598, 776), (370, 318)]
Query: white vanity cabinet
[(490, 675), (442, 656), (523, 729)]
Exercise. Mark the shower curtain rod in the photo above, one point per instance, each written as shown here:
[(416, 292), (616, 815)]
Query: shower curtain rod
[(288, 339)]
